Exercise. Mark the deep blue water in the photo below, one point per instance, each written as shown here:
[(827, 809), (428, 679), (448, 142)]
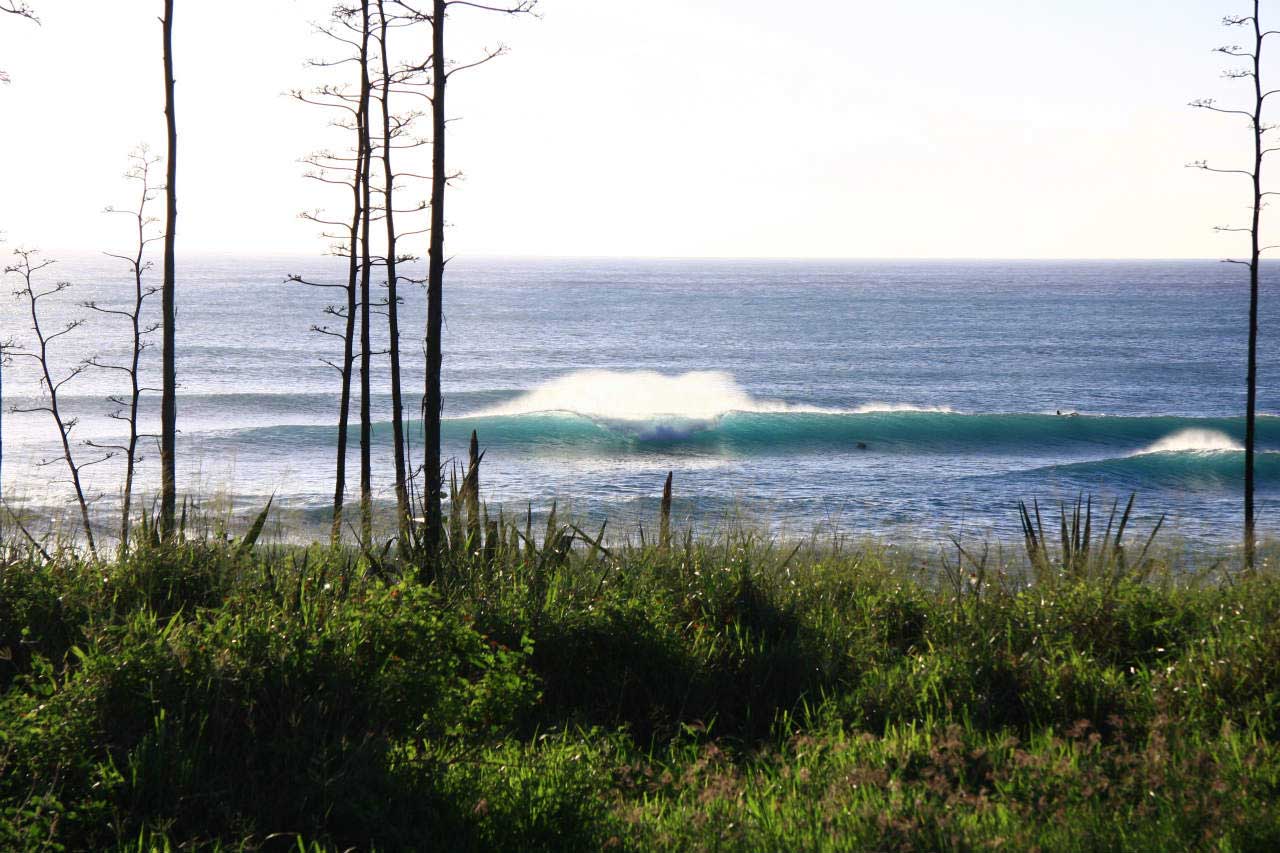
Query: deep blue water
[(900, 398)]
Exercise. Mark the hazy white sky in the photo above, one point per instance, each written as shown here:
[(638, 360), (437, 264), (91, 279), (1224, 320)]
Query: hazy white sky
[(811, 128)]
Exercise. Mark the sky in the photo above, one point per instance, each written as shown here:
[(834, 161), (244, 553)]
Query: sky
[(668, 128)]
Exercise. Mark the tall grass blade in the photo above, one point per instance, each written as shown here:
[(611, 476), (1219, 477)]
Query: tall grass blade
[(255, 530)]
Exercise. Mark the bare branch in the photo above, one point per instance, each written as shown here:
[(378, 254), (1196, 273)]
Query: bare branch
[(22, 10), (524, 8), (1208, 104), (1201, 164)]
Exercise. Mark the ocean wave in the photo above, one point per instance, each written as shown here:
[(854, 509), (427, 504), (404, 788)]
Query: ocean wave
[(1186, 469), (789, 432)]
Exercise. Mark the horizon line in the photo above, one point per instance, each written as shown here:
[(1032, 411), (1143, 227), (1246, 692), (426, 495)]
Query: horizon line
[(524, 256)]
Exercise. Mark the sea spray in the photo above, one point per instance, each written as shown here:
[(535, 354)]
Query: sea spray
[(1194, 441), (637, 395)]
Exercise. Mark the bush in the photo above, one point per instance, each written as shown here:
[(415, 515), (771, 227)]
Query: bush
[(255, 718)]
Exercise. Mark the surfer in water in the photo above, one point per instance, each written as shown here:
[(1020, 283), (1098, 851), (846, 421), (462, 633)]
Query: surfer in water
[(862, 445)]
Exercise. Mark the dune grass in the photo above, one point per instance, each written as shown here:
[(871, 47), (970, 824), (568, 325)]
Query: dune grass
[(552, 690)]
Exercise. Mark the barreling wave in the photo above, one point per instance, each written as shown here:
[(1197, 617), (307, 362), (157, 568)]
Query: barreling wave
[(889, 432), (792, 432)]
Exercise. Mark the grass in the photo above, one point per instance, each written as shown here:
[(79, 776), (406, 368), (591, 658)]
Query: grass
[(552, 691)]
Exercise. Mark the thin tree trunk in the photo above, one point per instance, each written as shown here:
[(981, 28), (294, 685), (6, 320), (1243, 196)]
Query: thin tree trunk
[(366, 425), (432, 402), (348, 340), (1251, 405), (169, 382), (135, 391), (348, 359), (393, 318)]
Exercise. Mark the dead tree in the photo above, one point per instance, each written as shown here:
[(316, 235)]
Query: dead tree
[(396, 135), (432, 402), (366, 343), (348, 27), (346, 313), (22, 10), (169, 375), (355, 28), (1253, 113), (126, 407), (27, 268)]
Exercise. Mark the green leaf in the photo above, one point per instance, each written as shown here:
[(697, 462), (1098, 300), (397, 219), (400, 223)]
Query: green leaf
[(250, 538)]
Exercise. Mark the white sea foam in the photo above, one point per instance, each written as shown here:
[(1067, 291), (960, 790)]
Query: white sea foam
[(637, 395), (1194, 440), (646, 395), (873, 408)]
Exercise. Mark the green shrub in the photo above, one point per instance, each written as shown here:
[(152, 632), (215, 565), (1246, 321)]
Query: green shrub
[(254, 717)]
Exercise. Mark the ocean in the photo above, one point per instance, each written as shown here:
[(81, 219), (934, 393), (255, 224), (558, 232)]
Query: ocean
[(909, 400)]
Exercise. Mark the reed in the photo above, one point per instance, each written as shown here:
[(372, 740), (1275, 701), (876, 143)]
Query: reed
[(1080, 554)]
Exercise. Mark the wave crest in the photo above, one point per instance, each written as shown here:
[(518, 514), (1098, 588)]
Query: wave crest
[(646, 395), (1192, 441)]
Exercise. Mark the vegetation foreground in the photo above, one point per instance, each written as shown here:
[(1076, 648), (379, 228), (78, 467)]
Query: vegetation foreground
[(732, 694)]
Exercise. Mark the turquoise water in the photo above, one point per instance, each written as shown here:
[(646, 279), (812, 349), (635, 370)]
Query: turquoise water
[(890, 397)]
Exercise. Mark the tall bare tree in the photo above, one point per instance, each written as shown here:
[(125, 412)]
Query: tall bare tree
[(395, 130), (432, 401), (22, 10), (324, 171), (351, 27), (1254, 114), (169, 373), (127, 406), (366, 262), (379, 137), (27, 268)]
